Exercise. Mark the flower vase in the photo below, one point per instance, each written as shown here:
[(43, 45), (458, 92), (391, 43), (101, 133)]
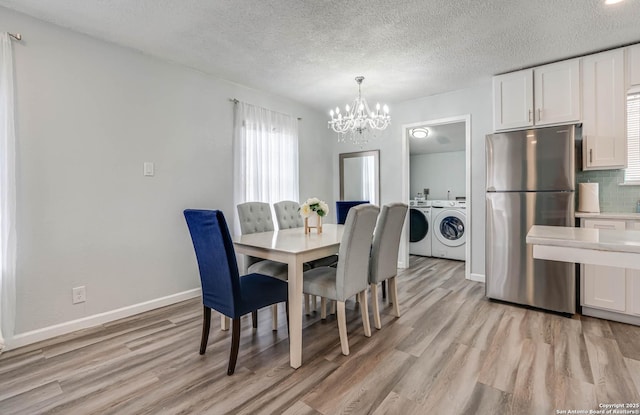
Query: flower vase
[(313, 221)]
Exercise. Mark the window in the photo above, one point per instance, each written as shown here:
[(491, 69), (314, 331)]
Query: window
[(632, 173), (265, 155)]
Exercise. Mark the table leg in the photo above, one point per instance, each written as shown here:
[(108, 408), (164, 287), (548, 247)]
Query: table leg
[(295, 312)]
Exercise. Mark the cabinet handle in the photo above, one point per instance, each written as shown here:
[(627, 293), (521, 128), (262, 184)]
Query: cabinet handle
[(530, 115), (539, 112), (590, 155)]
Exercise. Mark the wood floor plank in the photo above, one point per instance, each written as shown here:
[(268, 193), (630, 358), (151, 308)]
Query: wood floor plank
[(574, 394), (611, 376), (570, 351), (503, 358), (454, 386), (628, 339), (488, 400), (451, 351), (535, 381), (396, 404)]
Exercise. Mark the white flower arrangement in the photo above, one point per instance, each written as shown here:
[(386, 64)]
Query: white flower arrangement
[(316, 205)]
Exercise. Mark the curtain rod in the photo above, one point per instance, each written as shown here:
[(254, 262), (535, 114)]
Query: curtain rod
[(16, 36), (235, 101)]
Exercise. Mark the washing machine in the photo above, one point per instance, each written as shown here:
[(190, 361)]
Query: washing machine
[(420, 229), (449, 234)]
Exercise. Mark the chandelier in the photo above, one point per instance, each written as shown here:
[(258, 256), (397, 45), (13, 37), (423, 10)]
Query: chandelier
[(359, 122)]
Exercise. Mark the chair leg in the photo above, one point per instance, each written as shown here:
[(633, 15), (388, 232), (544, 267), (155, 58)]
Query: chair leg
[(342, 328), (307, 306), (254, 319), (206, 324), (376, 308), (384, 289), (323, 308), (274, 317), (364, 312), (333, 307), (235, 344), (393, 293), (314, 302)]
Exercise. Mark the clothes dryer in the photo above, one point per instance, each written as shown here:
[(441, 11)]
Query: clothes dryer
[(449, 234), (420, 230)]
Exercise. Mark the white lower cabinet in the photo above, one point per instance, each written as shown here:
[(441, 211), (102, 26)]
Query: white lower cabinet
[(610, 292), (633, 280), (604, 287)]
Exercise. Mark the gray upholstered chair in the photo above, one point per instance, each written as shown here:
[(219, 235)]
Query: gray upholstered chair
[(288, 217), (256, 217), (350, 277), (384, 256), (288, 214)]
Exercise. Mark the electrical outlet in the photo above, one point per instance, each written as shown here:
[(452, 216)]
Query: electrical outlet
[(79, 295)]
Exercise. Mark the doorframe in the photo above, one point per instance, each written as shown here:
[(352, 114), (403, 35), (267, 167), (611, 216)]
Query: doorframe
[(406, 192)]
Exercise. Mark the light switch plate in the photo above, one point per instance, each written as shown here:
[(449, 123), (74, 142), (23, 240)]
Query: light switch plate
[(148, 168)]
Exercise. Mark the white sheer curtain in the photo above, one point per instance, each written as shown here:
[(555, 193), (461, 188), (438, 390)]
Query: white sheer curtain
[(7, 193), (265, 155), (368, 180)]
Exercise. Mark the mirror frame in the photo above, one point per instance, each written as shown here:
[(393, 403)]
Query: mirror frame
[(376, 162)]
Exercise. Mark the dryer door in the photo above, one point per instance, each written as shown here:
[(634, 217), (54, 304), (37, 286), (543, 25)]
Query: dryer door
[(450, 227), (418, 225)]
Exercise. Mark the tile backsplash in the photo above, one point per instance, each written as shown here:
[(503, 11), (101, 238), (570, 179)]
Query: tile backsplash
[(613, 197)]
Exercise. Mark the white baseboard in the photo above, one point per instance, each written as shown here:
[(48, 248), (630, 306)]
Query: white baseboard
[(45, 333), (477, 277)]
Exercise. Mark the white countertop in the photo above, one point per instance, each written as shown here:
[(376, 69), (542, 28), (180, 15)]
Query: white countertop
[(605, 215), (598, 239)]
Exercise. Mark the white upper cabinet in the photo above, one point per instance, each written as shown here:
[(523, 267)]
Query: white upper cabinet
[(634, 65), (545, 95), (557, 92), (604, 121), (513, 100)]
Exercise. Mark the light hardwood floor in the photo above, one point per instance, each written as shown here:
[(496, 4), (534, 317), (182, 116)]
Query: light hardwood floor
[(451, 352)]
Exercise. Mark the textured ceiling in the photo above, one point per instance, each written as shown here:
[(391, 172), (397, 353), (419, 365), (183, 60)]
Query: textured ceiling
[(311, 50)]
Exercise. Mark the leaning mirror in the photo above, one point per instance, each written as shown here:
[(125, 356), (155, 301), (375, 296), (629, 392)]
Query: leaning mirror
[(360, 176)]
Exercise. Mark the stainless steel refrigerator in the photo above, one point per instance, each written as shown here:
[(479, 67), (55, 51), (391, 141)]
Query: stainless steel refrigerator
[(530, 181)]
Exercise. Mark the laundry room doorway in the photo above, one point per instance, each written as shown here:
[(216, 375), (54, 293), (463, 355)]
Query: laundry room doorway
[(437, 157)]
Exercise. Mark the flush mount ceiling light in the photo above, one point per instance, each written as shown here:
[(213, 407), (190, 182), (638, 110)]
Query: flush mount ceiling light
[(359, 122), (608, 2), (420, 132)]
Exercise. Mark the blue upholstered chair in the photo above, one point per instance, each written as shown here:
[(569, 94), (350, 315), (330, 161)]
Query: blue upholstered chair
[(383, 265), (222, 288), (351, 276), (342, 209)]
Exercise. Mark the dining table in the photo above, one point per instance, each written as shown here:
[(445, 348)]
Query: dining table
[(293, 247)]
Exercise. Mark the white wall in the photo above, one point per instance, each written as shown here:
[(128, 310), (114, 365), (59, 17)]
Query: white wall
[(476, 102), (89, 113), (438, 172)]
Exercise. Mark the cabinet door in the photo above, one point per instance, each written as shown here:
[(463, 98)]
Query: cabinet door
[(557, 92), (604, 287), (513, 100), (604, 131), (633, 281), (634, 64)]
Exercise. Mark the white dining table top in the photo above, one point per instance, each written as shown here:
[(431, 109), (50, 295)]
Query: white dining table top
[(293, 240)]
